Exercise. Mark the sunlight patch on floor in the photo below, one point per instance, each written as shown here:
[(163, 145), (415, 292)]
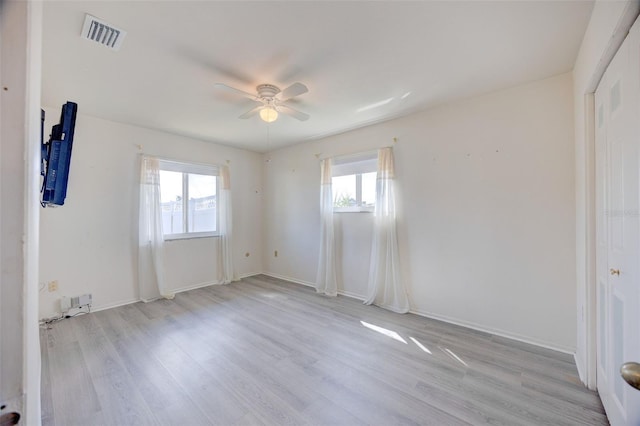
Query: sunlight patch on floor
[(450, 353), (385, 331), (420, 345)]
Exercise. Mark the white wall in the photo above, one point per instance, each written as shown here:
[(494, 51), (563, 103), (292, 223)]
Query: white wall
[(609, 23), (486, 211), (89, 245), (20, 62)]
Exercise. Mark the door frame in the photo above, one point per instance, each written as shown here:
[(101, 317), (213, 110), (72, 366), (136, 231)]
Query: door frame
[(22, 41), (626, 21)]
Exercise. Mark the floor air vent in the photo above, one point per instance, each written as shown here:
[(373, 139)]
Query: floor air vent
[(103, 33)]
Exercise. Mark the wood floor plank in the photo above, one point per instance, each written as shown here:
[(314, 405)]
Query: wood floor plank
[(262, 400), (162, 393), (70, 378), (465, 408), (120, 400), (265, 351), (46, 403), (207, 391)]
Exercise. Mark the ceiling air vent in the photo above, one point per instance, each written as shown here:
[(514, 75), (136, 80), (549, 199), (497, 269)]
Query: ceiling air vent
[(101, 32)]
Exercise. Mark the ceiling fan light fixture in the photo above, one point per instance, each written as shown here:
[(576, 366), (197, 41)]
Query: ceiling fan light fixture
[(269, 114), (270, 100)]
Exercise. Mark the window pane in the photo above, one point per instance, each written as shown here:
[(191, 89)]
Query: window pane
[(202, 203), (344, 191), (369, 189), (171, 201)]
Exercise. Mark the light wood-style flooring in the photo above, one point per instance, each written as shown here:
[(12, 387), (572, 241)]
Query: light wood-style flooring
[(266, 351)]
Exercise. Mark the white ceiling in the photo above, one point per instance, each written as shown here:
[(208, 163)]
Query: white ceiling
[(363, 62)]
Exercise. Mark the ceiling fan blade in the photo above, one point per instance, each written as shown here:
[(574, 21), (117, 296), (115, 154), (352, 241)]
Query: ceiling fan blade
[(251, 112), (296, 89), (293, 112), (222, 86)]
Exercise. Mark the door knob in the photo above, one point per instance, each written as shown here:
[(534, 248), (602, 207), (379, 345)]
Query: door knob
[(630, 372), (614, 271)]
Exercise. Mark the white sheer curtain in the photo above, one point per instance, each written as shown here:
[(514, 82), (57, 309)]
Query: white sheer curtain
[(227, 272), (326, 280), (385, 286), (150, 236)]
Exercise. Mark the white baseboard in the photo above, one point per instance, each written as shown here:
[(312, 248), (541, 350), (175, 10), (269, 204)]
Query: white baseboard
[(467, 324), (177, 290), (496, 331), (194, 286), (97, 308), (580, 367), (248, 274), (293, 280), (153, 299), (208, 283), (113, 305), (352, 295), (310, 284)]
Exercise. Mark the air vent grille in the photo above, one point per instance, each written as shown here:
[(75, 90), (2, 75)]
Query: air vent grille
[(103, 33)]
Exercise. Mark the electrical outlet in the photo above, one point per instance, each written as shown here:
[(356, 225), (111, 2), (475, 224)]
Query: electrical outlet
[(275, 253), (53, 285)]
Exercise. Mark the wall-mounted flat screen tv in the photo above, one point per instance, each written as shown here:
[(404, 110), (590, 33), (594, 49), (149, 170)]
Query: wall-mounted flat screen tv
[(56, 156)]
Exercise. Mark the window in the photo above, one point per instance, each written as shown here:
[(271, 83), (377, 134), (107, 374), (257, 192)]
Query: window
[(188, 198), (354, 183)]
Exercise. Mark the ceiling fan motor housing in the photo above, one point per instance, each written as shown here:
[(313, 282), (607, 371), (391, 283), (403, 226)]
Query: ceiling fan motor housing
[(267, 91), (271, 105)]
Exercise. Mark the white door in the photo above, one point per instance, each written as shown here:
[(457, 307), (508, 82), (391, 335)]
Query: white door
[(618, 229)]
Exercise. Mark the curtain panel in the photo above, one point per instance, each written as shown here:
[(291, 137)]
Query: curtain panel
[(385, 287), (150, 236), (227, 272), (326, 282)]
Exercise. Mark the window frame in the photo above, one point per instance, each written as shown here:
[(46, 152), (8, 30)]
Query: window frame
[(359, 164), (187, 169)]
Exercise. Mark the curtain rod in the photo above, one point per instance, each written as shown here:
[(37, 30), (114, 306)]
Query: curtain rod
[(319, 155), (173, 160)]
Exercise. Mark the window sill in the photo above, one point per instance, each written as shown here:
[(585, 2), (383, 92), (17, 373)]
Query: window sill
[(353, 211), (192, 236)]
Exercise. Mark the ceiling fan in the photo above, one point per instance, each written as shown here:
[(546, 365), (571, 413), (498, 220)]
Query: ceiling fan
[(272, 101)]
